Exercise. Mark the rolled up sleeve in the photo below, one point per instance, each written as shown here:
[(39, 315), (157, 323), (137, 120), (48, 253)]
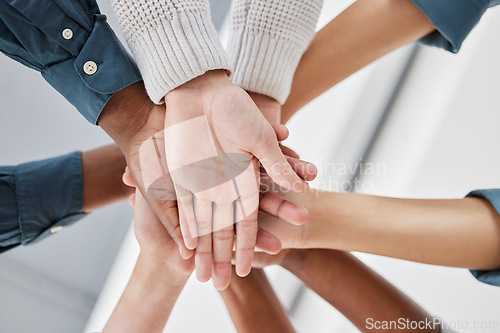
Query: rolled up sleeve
[(72, 46), (493, 196), (453, 20), (39, 198)]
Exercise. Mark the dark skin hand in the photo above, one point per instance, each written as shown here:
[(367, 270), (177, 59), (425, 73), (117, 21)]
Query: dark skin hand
[(350, 286), (254, 306)]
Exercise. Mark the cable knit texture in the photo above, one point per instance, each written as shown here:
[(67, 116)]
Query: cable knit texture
[(267, 40), (172, 41)]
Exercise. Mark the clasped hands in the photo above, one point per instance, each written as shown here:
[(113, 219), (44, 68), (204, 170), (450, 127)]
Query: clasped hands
[(197, 165)]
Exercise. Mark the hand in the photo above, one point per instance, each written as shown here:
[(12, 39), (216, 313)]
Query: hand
[(271, 110), (154, 240), (215, 135), (265, 241), (158, 277), (158, 185)]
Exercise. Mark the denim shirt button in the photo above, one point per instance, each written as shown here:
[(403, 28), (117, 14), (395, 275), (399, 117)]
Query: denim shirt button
[(67, 34), (90, 68), (55, 229)]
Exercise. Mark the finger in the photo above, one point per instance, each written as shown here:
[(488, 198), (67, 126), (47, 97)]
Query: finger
[(128, 179), (283, 209), (169, 215), (153, 166), (142, 209), (187, 219), (223, 239), (246, 237), (281, 131), (277, 167), (261, 260), (267, 242), (247, 206), (188, 240), (131, 200), (203, 258), (289, 152), (305, 170)]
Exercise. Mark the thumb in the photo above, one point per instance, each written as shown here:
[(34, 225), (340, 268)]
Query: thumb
[(269, 153)]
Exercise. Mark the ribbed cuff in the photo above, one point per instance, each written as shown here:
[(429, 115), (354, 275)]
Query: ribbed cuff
[(177, 51), (263, 63)]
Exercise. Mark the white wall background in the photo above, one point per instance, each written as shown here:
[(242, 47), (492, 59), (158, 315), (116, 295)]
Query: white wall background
[(440, 140)]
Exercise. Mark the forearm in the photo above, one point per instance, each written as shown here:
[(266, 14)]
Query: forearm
[(364, 32), (148, 298), (254, 306), (460, 233), (354, 289), (102, 170)]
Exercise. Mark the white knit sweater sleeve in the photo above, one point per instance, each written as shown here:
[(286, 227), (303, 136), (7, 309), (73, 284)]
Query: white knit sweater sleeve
[(172, 41), (266, 41)]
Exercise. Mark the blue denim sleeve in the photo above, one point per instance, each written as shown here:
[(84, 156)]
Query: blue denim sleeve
[(453, 20), (72, 46), (38, 198), (493, 196)]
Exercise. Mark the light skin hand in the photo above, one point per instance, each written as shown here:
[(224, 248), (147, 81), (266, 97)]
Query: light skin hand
[(271, 110), (458, 233), (265, 241), (235, 126), (270, 202), (158, 278)]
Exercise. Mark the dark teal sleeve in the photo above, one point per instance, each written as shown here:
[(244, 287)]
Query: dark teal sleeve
[(493, 196), (453, 20), (38, 198), (32, 32)]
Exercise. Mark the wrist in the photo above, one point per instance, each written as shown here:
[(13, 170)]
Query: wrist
[(126, 114), (270, 108), (161, 269), (102, 171), (333, 218), (198, 92), (294, 259), (208, 79)]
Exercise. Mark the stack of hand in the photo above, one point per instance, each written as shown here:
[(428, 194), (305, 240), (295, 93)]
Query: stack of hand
[(212, 180), (204, 167)]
